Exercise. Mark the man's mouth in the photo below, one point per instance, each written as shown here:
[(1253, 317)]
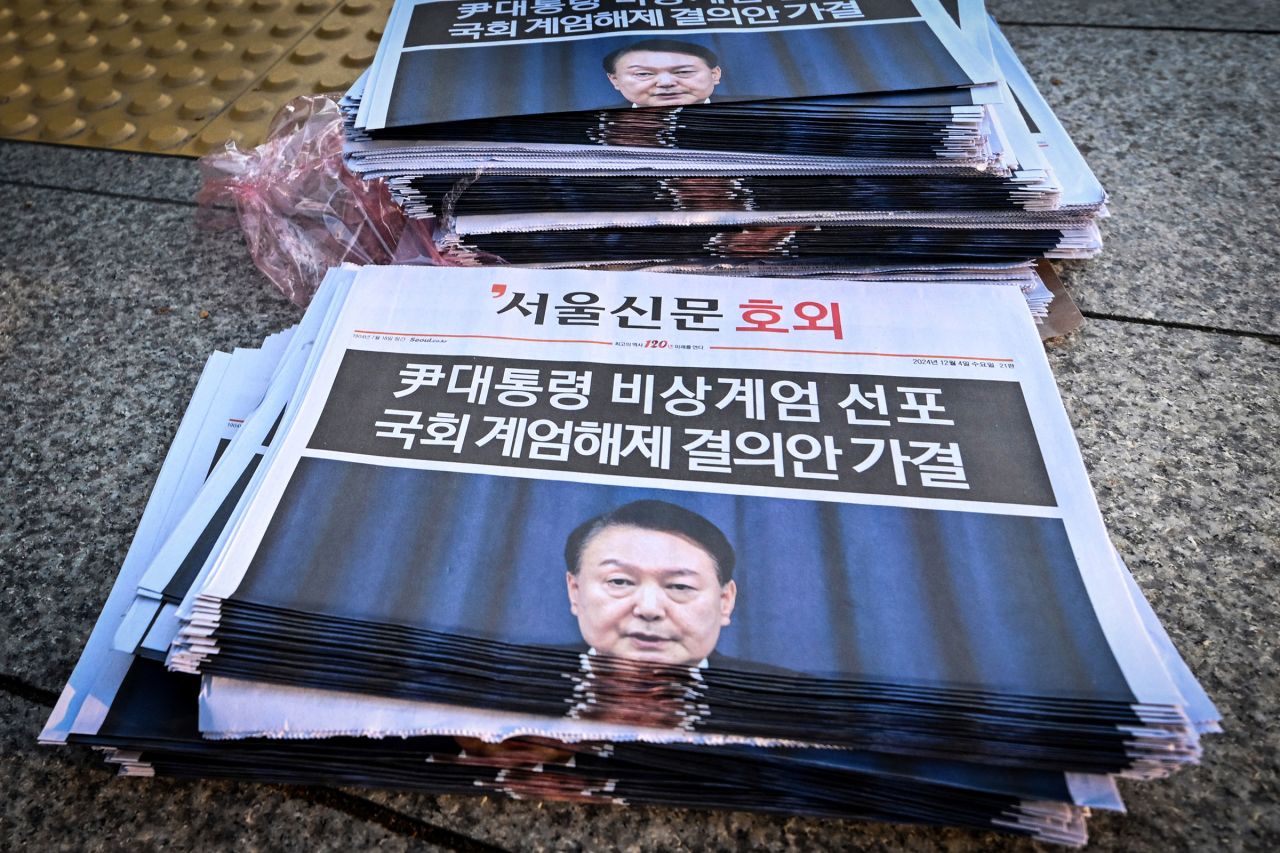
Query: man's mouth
[(649, 640)]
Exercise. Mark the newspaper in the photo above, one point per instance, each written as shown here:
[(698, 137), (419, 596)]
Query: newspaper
[(143, 717), (445, 60), (547, 398)]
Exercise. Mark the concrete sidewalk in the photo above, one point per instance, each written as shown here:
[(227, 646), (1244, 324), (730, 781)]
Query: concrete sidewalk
[(110, 301)]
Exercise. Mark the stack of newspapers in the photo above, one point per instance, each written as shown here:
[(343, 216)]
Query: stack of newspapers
[(634, 538), (744, 137)]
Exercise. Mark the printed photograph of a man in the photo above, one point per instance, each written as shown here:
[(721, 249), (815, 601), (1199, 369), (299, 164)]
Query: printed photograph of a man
[(663, 72), (651, 582)]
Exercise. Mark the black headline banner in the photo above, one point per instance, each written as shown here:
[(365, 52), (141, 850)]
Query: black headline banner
[(958, 439), (453, 23)]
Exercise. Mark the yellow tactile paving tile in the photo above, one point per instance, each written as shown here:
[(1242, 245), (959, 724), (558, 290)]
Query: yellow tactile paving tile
[(172, 76), (328, 59)]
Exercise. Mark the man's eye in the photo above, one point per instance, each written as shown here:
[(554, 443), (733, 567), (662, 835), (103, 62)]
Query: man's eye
[(643, 75), (680, 587), (619, 582)]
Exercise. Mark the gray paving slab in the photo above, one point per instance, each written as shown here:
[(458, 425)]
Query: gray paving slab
[(519, 825), (102, 336), (1180, 128), (1214, 14), (1178, 434), (64, 799), (142, 175)]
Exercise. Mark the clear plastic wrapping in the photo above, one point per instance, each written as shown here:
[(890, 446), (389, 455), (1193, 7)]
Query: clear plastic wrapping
[(300, 208)]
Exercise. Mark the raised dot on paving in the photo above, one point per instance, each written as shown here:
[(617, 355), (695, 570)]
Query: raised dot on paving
[(62, 127), (79, 41), (357, 7), (99, 98), (38, 38), (46, 65), (259, 51), (200, 107), (214, 136), (357, 58), (334, 81), (183, 74), (71, 16), (306, 55), (195, 24), (240, 25), (211, 138), (135, 70), (167, 47), (250, 106), (145, 22), (213, 48), (109, 19), (52, 93), (34, 15), (11, 90), (15, 120), (88, 67), (280, 79), (114, 131), (231, 77), (121, 43), (332, 30), (167, 136), (149, 103)]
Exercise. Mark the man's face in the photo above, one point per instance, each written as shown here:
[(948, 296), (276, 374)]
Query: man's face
[(649, 596), (650, 78)]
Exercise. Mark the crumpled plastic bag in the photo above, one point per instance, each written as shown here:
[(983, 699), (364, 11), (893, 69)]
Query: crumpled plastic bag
[(301, 210)]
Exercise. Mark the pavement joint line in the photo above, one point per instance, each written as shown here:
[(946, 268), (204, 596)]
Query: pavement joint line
[(32, 185), (67, 146), (388, 818), (17, 687), (1146, 27), (1265, 337)]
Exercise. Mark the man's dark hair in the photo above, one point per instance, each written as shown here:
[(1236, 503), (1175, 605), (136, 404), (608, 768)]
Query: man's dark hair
[(662, 46), (664, 518)]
